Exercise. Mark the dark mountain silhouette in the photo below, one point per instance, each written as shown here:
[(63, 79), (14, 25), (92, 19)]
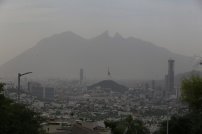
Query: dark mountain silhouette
[(62, 55), (108, 85)]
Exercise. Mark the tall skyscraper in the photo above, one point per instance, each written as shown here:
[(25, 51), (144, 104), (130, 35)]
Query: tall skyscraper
[(81, 76), (170, 76)]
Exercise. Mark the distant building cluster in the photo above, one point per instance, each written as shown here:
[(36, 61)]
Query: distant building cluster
[(36, 89), (77, 107)]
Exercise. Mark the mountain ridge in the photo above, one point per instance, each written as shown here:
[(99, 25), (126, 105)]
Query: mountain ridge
[(65, 53)]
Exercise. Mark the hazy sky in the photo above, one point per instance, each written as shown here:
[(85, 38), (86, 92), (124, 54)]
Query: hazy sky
[(174, 24)]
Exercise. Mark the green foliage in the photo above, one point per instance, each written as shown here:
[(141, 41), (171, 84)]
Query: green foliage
[(177, 125), (187, 124), (192, 92), (1, 87), (127, 126), (17, 119), (196, 119), (190, 123)]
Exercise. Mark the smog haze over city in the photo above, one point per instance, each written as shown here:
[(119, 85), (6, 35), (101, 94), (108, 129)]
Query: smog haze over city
[(101, 66), (175, 25)]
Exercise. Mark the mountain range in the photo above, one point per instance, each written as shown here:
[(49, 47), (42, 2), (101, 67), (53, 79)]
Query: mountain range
[(62, 55)]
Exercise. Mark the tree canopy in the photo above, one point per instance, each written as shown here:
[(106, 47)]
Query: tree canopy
[(192, 92), (17, 118), (127, 126), (190, 123)]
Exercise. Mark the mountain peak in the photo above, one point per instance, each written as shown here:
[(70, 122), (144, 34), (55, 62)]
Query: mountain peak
[(104, 35), (62, 55), (118, 36), (68, 34)]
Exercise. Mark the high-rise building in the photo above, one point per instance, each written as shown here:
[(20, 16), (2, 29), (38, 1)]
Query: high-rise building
[(166, 82), (49, 93), (153, 84), (81, 76), (37, 90), (170, 76), (146, 85)]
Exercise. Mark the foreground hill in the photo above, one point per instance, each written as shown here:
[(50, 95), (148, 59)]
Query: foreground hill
[(62, 55)]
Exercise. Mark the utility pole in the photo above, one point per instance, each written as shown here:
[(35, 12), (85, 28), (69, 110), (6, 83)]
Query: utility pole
[(168, 120), (19, 87), (167, 124)]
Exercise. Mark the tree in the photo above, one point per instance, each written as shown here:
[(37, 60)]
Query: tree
[(192, 92), (127, 126), (17, 118), (190, 123), (177, 125)]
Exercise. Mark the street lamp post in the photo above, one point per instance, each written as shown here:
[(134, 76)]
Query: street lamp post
[(167, 121), (167, 130), (20, 75)]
